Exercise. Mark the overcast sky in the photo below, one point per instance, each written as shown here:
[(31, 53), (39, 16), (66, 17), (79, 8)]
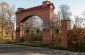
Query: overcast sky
[(77, 6)]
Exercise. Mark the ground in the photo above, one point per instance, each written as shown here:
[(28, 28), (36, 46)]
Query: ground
[(10, 49)]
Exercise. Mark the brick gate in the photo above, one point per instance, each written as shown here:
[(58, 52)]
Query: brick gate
[(44, 11)]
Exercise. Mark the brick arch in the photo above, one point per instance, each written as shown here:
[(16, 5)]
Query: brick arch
[(44, 11), (26, 18)]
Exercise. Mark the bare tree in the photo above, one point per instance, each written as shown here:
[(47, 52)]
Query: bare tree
[(78, 21), (56, 22), (64, 12)]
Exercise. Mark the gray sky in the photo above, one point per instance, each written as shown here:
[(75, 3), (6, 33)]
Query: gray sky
[(77, 6)]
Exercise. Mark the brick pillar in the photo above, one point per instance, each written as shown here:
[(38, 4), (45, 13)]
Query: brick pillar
[(19, 32), (65, 26), (17, 36), (47, 38), (47, 35)]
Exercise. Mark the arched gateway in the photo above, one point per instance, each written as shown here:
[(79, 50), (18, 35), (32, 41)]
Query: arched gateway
[(44, 11)]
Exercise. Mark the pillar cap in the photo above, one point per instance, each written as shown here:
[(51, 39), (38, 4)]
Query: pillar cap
[(46, 2)]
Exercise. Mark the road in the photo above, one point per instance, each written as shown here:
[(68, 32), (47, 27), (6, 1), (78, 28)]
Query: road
[(10, 49)]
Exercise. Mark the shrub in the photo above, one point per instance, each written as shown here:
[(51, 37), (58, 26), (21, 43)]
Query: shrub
[(76, 39)]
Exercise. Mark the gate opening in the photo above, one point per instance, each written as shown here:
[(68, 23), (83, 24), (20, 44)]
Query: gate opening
[(33, 28)]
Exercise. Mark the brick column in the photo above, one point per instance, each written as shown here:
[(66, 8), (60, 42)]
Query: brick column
[(47, 35), (19, 32), (65, 26), (47, 38)]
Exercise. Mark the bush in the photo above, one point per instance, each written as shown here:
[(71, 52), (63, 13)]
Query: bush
[(76, 39), (7, 42), (30, 43)]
